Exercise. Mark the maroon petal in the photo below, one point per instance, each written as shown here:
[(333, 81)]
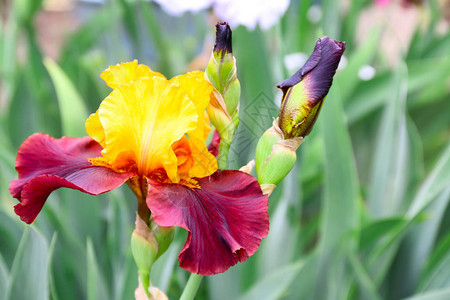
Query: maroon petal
[(45, 164), (213, 147), (319, 69), (226, 219)]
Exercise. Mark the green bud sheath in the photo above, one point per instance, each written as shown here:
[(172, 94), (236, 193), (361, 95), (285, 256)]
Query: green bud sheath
[(164, 237), (145, 249), (298, 114), (275, 156), (223, 110), (231, 96)]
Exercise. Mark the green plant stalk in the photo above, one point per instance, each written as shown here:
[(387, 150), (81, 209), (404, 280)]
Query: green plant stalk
[(222, 156), (191, 287), (145, 280)]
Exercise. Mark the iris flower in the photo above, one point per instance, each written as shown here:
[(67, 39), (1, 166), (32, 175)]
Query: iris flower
[(150, 132)]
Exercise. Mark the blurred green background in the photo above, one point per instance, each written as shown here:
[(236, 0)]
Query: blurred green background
[(365, 212)]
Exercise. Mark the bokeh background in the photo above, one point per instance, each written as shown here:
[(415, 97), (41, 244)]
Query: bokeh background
[(365, 212)]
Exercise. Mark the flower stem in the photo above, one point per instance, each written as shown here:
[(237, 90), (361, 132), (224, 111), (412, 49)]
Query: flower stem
[(222, 156), (191, 287), (145, 280)]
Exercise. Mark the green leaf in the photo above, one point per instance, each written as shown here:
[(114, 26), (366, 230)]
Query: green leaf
[(30, 271), (441, 294), (340, 202), (436, 182), (436, 273), (373, 232), (96, 285), (367, 286), (331, 21), (275, 284), (282, 237), (390, 165), (383, 254), (10, 233), (72, 108), (157, 36), (368, 97), (257, 108), (302, 287), (418, 245), (164, 267), (4, 278), (130, 21), (348, 79)]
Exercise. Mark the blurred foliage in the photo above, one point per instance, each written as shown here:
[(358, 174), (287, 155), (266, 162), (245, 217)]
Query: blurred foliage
[(364, 214)]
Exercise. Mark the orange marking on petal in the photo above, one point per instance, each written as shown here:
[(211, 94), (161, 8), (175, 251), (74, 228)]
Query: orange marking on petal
[(149, 124)]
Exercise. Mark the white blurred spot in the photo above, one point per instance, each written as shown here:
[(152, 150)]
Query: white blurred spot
[(366, 72), (314, 14), (251, 13), (294, 61), (178, 7), (278, 96), (342, 63)]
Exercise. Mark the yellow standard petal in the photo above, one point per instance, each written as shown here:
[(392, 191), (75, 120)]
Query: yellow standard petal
[(123, 73), (141, 121), (153, 126), (201, 163), (94, 129)]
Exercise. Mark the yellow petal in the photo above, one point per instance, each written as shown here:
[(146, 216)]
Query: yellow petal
[(123, 73), (142, 120), (94, 129), (199, 90)]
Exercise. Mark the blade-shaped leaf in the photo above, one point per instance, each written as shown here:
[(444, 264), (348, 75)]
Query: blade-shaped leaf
[(96, 285), (73, 110), (340, 202), (275, 284), (30, 268), (4, 278), (436, 273), (388, 179), (441, 294)]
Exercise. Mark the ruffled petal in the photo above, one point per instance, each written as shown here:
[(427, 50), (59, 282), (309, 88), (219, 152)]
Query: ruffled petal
[(199, 91), (141, 121), (124, 73), (226, 219), (115, 76), (45, 164)]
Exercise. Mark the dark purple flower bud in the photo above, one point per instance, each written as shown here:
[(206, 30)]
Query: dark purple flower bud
[(304, 92), (223, 38)]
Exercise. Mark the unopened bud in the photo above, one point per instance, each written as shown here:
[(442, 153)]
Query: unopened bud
[(305, 91), (145, 249), (223, 109), (221, 72), (275, 156)]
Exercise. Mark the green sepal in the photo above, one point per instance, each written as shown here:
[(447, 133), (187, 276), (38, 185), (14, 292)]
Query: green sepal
[(275, 156), (231, 96), (164, 237)]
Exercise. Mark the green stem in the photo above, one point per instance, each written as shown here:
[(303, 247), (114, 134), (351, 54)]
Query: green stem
[(191, 287), (145, 280), (222, 156)]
